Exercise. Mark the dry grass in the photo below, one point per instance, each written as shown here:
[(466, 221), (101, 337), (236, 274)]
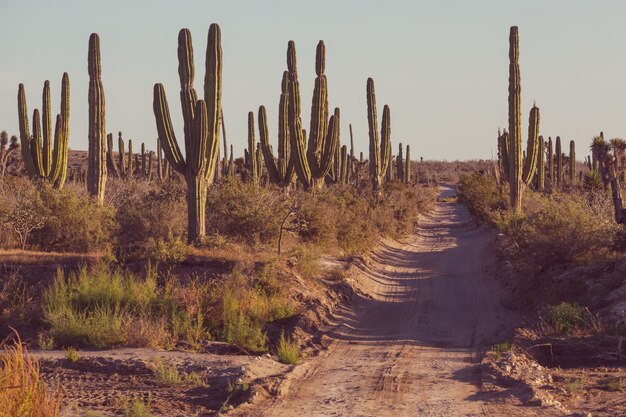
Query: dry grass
[(23, 392), (29, 257)]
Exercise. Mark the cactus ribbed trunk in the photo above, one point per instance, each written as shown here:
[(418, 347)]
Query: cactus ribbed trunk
[(97, 168), (400, 164), (252, 157)]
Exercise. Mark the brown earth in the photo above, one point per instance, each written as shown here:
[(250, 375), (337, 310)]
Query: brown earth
[(411, 343)]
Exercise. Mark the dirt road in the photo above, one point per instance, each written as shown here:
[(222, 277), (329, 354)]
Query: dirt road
[(407, 347)]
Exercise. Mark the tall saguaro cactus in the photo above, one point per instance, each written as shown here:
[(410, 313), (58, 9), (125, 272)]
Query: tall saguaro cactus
[(48, 158), (521, 172), (201, 126), (312, 162), (379, 149), (251, 157), (550, 163), (97, 167)]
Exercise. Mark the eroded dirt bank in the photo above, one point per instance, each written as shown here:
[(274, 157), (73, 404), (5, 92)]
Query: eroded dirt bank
[(408, 345)]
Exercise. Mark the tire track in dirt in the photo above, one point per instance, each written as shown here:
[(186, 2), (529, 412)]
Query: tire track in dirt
[(408, 346)]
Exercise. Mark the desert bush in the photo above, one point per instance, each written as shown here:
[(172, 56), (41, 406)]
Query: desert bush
[(19, 202), (23, 392), (556, 229), (482, 196), (245, 212), (152, 219), (73, 221)]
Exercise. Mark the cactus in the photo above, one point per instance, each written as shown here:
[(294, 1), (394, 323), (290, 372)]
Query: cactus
[(550, 176), (558, 153), (572, 161), (352, 157), (400, 164), (201, 126), (541, 167), (379, 149), (41, 159), (521, 172), (503, 155), (407, 166), (97, 168), (112, 167), (313, 162), (280, 172), (251, 157)]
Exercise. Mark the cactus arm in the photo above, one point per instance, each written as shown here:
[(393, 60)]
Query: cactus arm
[(35, 145), (197, 163), (58, 171), (24, 126), (541, 167), (385, 141), (46, 119), (530, 164), (213, 95), (166, 131), (270, 164)]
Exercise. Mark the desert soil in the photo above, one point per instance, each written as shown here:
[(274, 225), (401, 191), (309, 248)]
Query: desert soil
[(410, 344)]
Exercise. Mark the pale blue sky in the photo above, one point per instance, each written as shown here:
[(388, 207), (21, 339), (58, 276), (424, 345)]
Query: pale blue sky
[(442, 66)]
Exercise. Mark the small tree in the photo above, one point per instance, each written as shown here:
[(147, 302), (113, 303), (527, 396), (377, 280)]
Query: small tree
[(24, 222)]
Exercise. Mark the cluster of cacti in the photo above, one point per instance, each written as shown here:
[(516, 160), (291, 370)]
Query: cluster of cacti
[(313, 161), (201, 126), (97, 167), (280, 170), (380, 148), (8, 148), (41, 158)]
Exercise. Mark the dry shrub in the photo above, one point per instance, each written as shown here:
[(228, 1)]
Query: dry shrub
[(245, 212), (152, 219), (483, 198), (23, 392), (557, 229)]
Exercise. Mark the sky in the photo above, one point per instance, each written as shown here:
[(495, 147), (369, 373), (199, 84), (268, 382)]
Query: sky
[(441, 66)]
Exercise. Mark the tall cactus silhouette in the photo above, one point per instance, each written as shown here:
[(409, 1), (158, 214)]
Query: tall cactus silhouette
[(572, 162), (96, 159), (46, 158), (558, 153), (550, 175), (521, 172), (379, 148), (250, 153), (280, 170), (201, 126), (313, 162), (407, 166)]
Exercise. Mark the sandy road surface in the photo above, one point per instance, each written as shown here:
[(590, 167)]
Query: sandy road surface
[(408, 347)]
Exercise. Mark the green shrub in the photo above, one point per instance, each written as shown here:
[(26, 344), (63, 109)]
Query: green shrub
[(566, 317), (245, 305), (105, 307), (287, 350)]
